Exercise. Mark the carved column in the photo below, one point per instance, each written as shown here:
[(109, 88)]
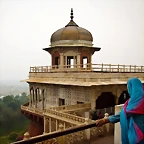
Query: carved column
[(32, 96), (36, 98), (61, 60), (30, 99), (50, 124), (38, 95), (46, 125), (43, 93), (78, 59), (66, 61), (74, 61)]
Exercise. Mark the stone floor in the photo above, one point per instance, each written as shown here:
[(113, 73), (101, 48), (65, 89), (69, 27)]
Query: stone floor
[(104, 140)]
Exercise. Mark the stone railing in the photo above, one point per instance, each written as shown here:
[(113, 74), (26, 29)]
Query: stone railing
[(32, 110), (65, 115), (57, 114), (72, 107), (88, 67), (71, 135)]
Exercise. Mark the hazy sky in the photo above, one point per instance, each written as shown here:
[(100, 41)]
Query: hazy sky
[(26, 26)]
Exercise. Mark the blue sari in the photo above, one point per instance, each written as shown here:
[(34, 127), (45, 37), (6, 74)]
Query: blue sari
[(131, 116)]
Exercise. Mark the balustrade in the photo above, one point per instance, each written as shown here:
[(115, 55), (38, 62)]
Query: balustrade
[(88, 67), (72, 107), (81, 134)]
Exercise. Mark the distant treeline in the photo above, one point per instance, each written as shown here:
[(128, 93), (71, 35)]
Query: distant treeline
[(12, 88), (11, 118)]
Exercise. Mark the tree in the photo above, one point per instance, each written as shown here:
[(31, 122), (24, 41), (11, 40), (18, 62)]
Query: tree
[(23, 94), (11, 118), (8, 99)]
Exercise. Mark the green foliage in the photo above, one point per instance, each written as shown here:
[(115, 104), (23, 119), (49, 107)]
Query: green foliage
[(12, 136), (11, 118)]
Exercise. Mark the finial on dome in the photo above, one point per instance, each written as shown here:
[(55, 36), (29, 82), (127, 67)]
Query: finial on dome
[(71, 14)]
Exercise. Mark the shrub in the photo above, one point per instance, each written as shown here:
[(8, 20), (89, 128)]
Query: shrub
[(12, 136)]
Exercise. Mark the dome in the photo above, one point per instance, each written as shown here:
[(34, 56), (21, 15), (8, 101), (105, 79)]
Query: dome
[(71, 32)]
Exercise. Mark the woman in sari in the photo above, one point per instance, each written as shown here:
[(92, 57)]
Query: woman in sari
[(131, 117)]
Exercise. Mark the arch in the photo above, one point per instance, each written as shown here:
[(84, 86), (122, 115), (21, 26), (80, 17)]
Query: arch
[(70, 53), (123, 97), (55, 58), (38, 94), (105, 100)]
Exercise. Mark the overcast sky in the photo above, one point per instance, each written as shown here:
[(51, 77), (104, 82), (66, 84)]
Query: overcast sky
[(26, 26)]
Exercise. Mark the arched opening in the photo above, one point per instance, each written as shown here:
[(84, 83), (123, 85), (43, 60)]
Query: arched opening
[(85, 58), (123, 97), (55, 59), (105, 104), (37, 91), (105, 100)]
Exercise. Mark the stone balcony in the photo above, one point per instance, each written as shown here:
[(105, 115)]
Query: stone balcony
[(95, 134), (91, 74)]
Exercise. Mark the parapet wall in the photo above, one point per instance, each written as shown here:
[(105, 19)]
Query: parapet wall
[(92, 77)]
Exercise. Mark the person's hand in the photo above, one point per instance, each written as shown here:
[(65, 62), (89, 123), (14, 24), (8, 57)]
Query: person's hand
[(101, 122)]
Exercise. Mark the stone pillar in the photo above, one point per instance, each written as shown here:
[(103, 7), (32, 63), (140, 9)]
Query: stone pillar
[(38, 95), (32, 96), (34, 99), (43, 93), (107, 125), (61, 60), (117, 129), (30, 99), (46, 125), (78, 60), (66, 61), (61, 140), (75, 60), (49, 124), (87, 131)]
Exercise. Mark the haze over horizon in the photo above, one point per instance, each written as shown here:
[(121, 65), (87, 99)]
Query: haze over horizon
[(26, 26)]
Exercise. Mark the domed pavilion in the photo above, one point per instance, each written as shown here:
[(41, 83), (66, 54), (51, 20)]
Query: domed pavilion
[(71, 46)]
